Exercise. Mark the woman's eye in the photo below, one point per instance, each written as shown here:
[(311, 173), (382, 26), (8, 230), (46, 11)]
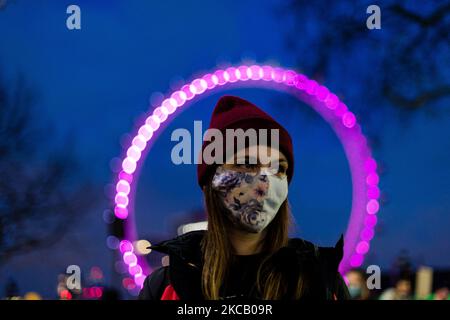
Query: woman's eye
[(282, 170), (250, 166)]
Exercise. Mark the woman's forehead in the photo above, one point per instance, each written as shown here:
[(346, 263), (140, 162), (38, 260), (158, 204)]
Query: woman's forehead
[(259, 151)]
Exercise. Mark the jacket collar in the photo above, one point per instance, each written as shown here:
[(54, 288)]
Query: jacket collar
[(187, 247), (185, 260)]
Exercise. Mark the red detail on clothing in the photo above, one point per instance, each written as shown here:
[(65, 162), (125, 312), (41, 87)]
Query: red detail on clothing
[(169, 294)]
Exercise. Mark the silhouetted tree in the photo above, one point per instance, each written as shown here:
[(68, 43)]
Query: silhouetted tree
[(403, 65), (41, 192)]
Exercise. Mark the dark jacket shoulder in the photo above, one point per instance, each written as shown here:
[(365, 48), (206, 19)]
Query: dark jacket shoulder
[(184, 267), (327, 261), (154, 284)]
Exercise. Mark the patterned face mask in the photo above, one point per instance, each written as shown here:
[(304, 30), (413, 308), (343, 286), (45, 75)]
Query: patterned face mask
[(252, 198)]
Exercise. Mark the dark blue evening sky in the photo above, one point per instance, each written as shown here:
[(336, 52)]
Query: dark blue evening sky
[(96, 83)]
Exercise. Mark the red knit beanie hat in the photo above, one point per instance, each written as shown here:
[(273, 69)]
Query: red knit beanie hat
[(236, 113)]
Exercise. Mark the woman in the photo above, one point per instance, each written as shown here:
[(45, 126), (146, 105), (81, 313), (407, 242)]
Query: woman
[(246, 251)]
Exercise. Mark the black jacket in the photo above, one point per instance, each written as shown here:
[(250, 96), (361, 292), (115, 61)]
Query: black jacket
[(184, 271)]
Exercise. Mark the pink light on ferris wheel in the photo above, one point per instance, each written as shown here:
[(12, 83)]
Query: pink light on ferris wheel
[(363, 218)]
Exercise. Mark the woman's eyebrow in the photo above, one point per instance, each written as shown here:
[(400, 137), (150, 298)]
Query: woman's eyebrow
[(280, 162), (246, 159)]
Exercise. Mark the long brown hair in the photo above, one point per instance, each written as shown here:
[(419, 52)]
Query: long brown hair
[(217, 251)]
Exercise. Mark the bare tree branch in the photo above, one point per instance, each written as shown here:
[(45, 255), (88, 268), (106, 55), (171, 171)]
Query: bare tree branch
[(400, 55), (434, 18), (41, 192), (418, 101)]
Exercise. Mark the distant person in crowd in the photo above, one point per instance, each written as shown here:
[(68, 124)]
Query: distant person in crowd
[(357, 285), (440, 294), (401, 291)]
